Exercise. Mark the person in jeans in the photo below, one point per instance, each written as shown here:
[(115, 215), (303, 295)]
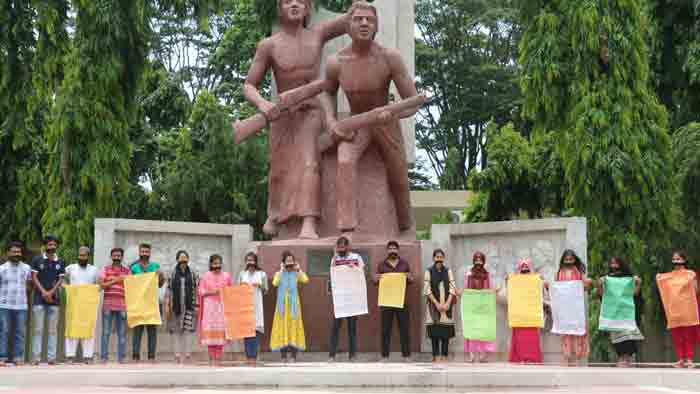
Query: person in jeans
[(111, 280), (82, 273), (15, 277), (141, 266), (48, 271), (394, 264), (345, 258), (256, 277)]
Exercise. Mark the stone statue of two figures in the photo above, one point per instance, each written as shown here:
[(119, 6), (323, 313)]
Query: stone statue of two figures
[(303, 122)]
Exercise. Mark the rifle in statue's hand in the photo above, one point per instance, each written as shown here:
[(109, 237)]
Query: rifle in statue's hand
[(286, 102), (367, 119)]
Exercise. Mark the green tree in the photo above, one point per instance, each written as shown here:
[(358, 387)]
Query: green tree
[(465, 62), (585, 77)]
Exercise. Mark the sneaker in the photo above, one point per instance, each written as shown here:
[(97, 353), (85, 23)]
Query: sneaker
[(87, 361), (331, 360), (384, 360)]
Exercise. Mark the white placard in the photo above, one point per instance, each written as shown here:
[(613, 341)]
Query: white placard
[(568, 307), (349, 289)]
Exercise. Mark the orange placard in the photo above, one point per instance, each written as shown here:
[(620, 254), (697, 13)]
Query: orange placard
[(677, 290), (239, 311)]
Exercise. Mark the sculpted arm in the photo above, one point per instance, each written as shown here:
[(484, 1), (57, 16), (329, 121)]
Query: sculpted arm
[(402, 79), (335, 27), (256, 76)]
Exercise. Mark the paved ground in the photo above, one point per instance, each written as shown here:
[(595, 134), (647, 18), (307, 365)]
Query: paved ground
[(99, 390), (343, 378)]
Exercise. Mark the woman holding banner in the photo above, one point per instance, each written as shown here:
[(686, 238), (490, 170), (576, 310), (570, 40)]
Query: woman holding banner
[(678, 290), (624, 342), (571, 268), (254, 276), (525, 341), (288, 327), (212, 326), (478, 278), (441, 292)]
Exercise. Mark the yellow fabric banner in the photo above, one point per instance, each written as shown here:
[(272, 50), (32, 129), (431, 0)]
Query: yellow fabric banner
[(141, 293), (525, 301), (392, 290), (677, 290), (81, 310)]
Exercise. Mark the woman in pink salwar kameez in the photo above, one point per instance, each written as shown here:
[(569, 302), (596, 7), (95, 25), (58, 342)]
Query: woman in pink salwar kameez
[(212, 327), (525, 341), (478, 278)]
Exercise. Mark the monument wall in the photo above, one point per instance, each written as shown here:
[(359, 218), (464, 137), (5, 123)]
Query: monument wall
[(200, 240), (504, 243)]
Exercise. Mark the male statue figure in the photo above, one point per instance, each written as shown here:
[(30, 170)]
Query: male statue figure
[(294, 55), (365, 71)]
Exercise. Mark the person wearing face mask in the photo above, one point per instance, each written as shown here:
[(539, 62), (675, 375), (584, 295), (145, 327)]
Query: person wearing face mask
[(573, 347), (141, 266), (525, 341), (180, 306), (212, 326), (111, 280), (82, 273), (394, 264), (288, 326), (255, 277), (685, 337), (441, 292), (48, 271), (15, 279), (478, 278), (624, 342), (348, 260)]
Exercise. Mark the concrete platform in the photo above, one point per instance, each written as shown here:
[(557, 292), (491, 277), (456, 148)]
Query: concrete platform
[(345, 377)]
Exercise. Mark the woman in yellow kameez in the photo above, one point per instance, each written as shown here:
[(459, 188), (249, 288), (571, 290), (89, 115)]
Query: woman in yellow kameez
[(288, 327)]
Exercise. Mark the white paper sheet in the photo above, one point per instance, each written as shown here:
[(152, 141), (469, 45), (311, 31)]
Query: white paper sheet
[(349, 290), (568, 307)]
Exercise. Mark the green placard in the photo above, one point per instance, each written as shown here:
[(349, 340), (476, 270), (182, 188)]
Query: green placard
[(617, 312), (479, 315)]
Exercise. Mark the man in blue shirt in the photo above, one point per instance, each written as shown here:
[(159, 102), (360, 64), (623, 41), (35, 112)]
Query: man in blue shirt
[(48, 271)]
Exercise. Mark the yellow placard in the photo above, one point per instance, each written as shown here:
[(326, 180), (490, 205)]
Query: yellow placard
[(81, 310), (392, 290), (525, 301), (141, 293)]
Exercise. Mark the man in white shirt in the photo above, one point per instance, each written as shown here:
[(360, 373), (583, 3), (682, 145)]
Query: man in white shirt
[(82, 273), (344, 257)]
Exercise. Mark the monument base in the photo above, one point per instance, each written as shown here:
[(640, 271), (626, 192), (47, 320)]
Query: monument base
[(314, 257)]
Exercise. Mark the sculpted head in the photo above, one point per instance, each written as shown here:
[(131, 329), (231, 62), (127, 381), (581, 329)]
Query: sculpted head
[(294, 11), (363, 21)]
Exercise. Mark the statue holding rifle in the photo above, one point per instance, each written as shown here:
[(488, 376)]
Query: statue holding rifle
[(365, 70), (296, 120)]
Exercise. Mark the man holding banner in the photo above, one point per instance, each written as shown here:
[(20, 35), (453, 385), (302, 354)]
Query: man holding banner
[(83, 298), (349, 290), (392, 275)]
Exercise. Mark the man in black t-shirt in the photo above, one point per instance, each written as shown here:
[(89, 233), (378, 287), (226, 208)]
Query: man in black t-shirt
[(48, 271)]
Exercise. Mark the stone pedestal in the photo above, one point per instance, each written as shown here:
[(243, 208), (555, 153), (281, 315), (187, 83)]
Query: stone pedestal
[(375, 202), (317, 305)]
